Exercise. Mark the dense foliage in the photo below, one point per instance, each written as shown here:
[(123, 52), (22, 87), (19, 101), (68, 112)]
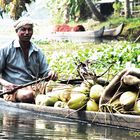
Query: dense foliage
[(62, 56)]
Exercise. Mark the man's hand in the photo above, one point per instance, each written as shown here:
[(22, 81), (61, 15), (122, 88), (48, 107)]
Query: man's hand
[(8, 86), (52, 75)]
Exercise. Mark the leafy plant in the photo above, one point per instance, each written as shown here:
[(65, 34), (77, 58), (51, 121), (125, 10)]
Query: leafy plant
[(118, 54)]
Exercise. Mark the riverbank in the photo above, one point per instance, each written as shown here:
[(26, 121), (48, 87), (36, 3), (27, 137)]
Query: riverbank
[(131, 29), (43, 26)]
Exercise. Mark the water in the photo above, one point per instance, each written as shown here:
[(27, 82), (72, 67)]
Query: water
[(17, 124)]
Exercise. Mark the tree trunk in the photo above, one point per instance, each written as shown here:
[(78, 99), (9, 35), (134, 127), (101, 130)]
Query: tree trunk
[(94, 11), (127, 10)]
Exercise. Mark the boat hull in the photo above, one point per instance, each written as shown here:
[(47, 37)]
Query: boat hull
[(81, 36), (114, 32), (101, 118)]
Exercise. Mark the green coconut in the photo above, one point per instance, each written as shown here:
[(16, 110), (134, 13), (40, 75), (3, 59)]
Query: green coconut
[(59, 104), (77, 101), (81, 89), (65, 94), (127, 99), (39, 99), (87, 83), (50, 101), (96, 92), (50, 85), (46, 100), (115, 102), (92, 106), (62, 93), (137, 107)]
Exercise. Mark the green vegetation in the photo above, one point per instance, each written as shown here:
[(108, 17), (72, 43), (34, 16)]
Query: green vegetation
[(118, 54)]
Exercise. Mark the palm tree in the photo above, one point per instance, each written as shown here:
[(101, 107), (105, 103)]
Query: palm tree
[(2, 4), (94, 11), (16, 7)]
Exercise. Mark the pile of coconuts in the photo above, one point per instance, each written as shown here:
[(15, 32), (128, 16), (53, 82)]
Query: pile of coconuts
[(80, 97), (121, 95)]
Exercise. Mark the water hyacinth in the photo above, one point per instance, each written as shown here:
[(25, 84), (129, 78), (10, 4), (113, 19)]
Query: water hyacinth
[(119, 54)]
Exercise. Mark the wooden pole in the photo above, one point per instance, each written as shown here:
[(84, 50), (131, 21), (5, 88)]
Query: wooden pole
[(25, 85)]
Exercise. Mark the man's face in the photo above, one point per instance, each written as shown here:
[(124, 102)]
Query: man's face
[(25, 32)]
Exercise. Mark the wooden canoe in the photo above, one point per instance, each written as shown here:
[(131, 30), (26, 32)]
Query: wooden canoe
[(81, 36), (114, 32), (131, 122)]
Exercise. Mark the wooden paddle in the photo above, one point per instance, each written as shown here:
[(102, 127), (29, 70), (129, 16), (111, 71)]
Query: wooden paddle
[(24, 85)]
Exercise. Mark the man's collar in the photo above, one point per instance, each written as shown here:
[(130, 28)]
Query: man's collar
[(32, 47)]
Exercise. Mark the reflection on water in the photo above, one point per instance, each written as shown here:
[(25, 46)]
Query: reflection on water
[(16, 124)]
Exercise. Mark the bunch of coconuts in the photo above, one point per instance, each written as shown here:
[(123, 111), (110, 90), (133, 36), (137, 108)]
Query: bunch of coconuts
[(81, 97), (122, 95)]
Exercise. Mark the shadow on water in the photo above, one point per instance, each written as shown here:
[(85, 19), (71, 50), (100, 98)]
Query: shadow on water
[(17, 124)]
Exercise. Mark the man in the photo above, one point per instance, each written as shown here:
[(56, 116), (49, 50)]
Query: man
[(22, 62)]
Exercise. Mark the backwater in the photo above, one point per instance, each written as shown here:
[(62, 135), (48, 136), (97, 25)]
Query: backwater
[(18, 124)]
